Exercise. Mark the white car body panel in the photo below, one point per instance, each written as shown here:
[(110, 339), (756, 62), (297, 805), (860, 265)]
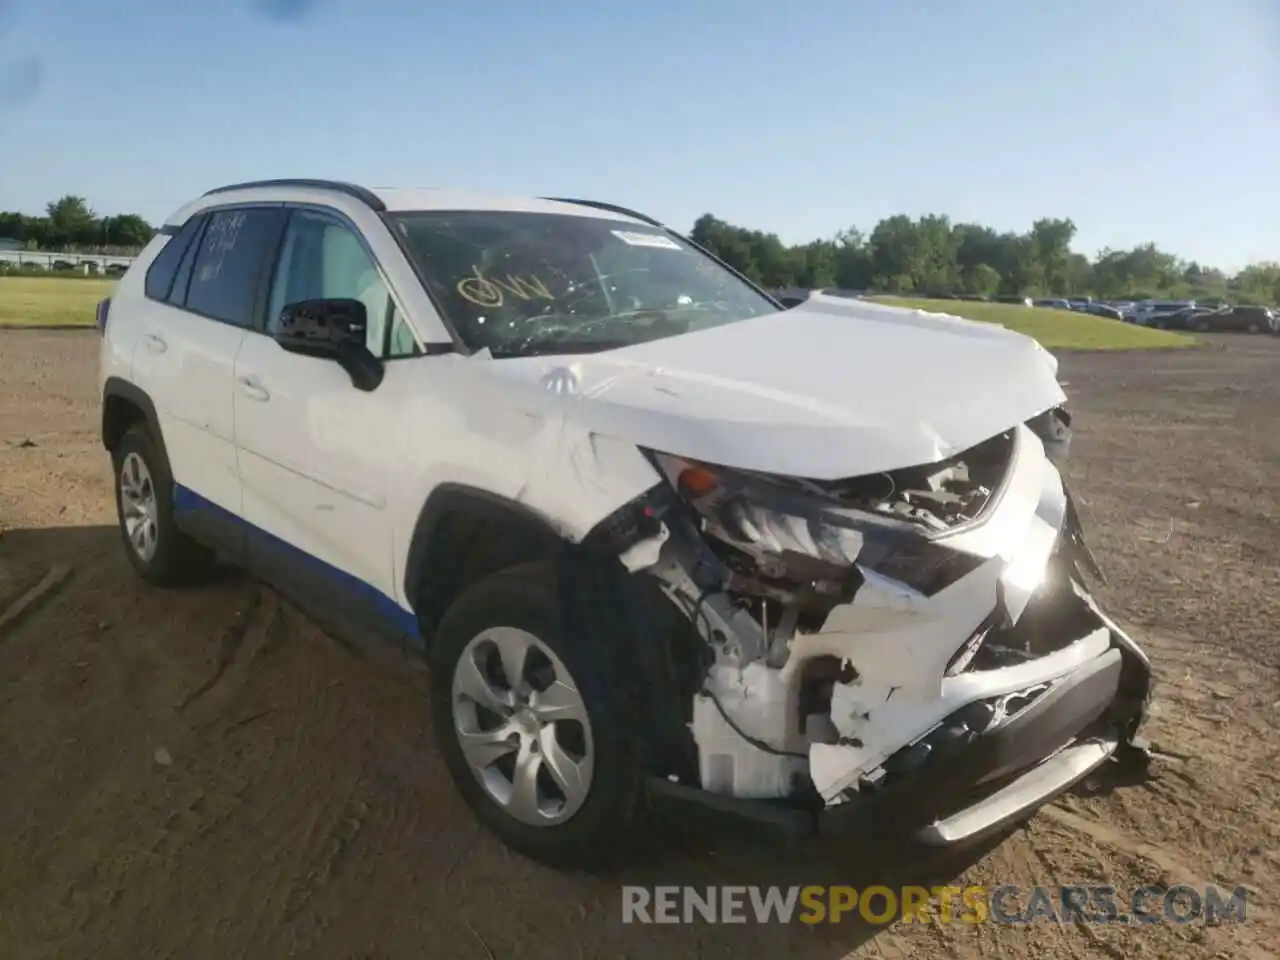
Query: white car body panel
[(883, 392), (184, 363), (455, 423), (312, 469)]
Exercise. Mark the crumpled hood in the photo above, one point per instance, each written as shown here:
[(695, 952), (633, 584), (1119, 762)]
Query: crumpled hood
[(827, 390)]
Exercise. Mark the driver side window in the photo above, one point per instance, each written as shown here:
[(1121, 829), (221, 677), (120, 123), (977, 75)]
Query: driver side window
[(322, 258)]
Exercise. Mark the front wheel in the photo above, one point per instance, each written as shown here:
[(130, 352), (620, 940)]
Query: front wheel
[(534, 709)]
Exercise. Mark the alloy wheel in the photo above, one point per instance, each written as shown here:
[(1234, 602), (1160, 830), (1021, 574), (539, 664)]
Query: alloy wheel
[(523, 726), (139, 506)]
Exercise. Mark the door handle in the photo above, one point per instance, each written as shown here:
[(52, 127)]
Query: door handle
[(252, 388), (154, 343)]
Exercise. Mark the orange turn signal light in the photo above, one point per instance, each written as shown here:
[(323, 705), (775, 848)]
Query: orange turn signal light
[(696, 482)]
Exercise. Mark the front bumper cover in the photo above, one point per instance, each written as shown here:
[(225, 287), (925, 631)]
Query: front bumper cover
[(967, 785)]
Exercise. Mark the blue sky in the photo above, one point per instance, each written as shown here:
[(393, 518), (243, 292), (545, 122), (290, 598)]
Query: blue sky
[(1140, 119)]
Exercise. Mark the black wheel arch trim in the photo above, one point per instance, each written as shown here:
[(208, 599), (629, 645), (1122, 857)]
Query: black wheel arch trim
[(123, 389), (448, 498)]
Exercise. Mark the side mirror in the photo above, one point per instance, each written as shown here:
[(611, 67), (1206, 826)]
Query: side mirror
[(331, 330)]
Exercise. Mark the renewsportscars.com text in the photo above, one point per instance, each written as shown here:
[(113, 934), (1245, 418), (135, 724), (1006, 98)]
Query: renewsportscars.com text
[(1006, 904)]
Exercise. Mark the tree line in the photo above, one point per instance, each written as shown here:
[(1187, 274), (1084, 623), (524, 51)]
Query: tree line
[(925, 255), (70, 225), (931, 255)]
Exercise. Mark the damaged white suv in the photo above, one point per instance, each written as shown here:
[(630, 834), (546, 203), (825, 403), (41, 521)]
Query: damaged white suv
[(660, 539)]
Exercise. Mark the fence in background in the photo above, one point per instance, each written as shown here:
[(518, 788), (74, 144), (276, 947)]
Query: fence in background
[(79, 262)]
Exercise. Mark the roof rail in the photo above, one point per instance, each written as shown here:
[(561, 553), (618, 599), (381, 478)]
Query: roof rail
[(363, 194), (611, 207)]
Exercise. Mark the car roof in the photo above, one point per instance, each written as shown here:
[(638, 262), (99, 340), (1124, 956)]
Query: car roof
[(399, 200), (405, 200)]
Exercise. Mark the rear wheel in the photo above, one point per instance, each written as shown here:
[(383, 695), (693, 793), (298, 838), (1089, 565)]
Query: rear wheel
[(1253, 328), (158, 550), (534, 701)]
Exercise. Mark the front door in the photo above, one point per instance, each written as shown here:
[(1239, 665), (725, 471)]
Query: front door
[(313, 470)]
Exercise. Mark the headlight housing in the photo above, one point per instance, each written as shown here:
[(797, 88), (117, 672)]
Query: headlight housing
[(795, 531)]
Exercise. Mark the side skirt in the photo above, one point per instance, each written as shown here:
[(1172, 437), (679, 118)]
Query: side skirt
[(345, 605)]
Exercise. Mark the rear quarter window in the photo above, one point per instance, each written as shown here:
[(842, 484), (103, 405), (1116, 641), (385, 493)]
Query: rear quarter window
[(163, 269)]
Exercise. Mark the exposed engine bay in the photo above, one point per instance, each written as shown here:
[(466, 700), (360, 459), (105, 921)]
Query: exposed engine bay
[(846, 623)]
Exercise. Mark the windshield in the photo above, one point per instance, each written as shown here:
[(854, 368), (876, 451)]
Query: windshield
[(526, 283)]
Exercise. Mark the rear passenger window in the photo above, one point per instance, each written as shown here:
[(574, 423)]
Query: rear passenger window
[(159, 280), (233, 253)]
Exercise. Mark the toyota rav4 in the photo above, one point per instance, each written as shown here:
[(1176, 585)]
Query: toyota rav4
[(660, 540)]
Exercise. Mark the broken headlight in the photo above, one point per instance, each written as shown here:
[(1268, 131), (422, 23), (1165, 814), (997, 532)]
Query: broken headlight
[(794, 530)]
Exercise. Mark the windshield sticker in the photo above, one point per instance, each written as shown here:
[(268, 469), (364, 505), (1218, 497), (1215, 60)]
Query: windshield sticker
[(634, 239), (488, 292)]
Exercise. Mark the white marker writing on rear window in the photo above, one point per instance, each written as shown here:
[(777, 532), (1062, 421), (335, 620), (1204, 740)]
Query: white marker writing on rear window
[(646, 240)]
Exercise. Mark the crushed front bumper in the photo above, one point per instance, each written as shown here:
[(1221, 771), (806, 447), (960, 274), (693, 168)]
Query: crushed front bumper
[(957, 786), (956, 710)]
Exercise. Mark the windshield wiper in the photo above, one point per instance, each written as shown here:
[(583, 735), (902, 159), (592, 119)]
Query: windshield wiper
[(541, 348)]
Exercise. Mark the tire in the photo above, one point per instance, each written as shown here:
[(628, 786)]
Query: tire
[(166, 557), (595, 650), (1253, 328), (1202, 327)]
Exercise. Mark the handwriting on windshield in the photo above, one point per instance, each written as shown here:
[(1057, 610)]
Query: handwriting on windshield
[(490, 291)]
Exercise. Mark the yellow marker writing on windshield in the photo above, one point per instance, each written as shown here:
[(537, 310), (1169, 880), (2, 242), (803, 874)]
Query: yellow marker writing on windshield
[(488, 291)]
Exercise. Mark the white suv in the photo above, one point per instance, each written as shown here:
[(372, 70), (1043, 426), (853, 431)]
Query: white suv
[(662, 541)]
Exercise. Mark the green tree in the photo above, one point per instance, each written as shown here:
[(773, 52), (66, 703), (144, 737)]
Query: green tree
[(817, 265), (126, 230), (71, 221), (1259, 283), (982, 278), (1051, 250)]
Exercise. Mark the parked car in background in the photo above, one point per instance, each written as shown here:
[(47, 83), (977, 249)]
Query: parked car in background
[(1246, 318), (1100, 310), (1054, 304), (1188, 318), (1145, 310)]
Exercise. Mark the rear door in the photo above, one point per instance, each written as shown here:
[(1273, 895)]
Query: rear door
[(191, 328)]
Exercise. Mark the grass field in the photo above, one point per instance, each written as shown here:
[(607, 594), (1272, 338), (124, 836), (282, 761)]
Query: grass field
[(1055, 329), (50, 301)]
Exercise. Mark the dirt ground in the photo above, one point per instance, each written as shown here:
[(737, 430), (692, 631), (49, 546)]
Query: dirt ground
[(206, 774)]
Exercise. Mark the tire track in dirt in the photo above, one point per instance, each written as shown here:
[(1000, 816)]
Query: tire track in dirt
[(305, 839), (28, 601), (345, 826), (248, 635), (1122, 842)]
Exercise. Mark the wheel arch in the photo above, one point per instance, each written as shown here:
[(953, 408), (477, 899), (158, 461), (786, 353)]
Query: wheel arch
[(123, 405), (462, 534)]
